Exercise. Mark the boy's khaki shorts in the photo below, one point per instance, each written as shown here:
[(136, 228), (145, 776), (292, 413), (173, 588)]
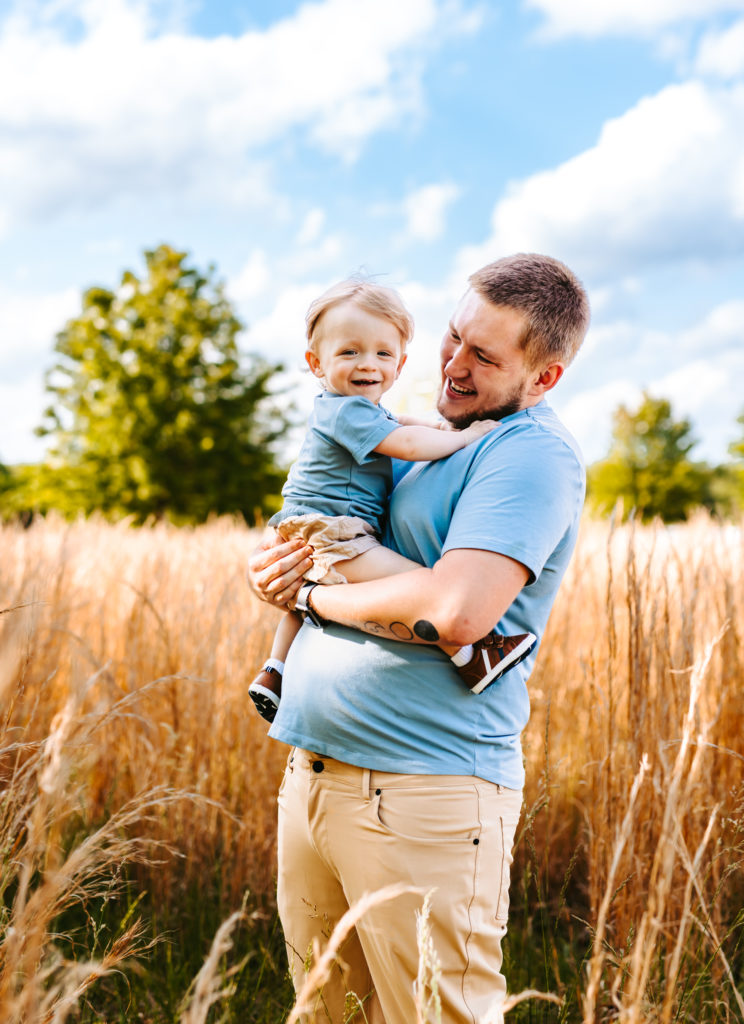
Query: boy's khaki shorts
[(334, 538)]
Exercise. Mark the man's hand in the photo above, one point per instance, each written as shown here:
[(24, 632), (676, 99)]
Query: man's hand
[(276, 569)]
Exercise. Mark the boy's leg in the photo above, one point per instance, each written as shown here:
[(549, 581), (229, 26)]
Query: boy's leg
[(375, 564), (266, 689), (288, 628)]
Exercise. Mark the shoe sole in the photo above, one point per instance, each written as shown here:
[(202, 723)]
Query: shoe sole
[(519, 653), (267, 703)]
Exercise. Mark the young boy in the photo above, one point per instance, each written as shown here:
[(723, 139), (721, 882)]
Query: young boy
[(336, 493)]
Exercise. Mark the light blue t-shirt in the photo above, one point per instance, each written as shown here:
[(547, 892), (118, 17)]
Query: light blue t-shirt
[(401, 707), (337, 472)]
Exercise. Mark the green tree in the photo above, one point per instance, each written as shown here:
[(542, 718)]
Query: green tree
[(737, 447), (648, 466), (735, 470), (153, 412)]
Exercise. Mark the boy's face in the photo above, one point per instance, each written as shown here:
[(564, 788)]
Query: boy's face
[(356, 352)]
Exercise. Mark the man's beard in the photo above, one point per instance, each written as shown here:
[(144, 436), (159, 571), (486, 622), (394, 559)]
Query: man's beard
[(513, 403)]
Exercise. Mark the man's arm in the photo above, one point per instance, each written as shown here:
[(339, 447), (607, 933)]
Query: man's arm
[(449, 603)]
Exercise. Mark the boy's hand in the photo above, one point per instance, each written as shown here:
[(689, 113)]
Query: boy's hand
[(479, 429)]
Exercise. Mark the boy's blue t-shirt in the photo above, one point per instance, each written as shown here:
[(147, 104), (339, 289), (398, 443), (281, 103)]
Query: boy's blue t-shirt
[(401, 707), (337, 472)]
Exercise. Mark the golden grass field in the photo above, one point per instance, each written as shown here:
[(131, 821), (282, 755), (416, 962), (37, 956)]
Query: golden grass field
[(125, 656)]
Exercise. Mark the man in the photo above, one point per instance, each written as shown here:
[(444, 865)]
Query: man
[(399, 773)]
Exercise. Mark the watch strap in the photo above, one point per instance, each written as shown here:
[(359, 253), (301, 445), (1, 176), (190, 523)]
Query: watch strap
[(302, 605)]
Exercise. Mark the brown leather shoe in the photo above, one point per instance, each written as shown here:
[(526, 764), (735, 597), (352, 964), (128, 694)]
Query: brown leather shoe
[(494, 655)]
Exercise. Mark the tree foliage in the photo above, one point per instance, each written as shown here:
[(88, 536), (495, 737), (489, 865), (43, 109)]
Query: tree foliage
[(649, 466), (736, 448), (735, 470), (153, 412)]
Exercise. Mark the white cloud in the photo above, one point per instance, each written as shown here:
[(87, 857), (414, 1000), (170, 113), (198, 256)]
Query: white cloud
[(624, 17), (22, 404), (252, 279), (722, 328), (696, 369), (588, 415), (310, 258), (665, 182), (425, 211), (721, 54), (280, 333), (311, 227), (28, 325), (124, 107)]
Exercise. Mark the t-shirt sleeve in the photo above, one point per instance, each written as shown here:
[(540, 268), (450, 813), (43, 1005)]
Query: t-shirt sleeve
[(520, 498), (358, 425)]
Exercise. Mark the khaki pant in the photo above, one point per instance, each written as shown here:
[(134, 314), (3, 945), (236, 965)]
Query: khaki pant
[(346, 831)]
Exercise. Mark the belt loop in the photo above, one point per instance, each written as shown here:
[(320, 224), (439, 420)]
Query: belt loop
[(365, 783)]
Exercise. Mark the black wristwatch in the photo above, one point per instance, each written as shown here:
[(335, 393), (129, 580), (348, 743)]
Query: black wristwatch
[(302, 605)]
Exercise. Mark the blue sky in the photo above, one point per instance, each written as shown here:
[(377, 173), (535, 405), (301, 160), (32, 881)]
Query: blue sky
[(292, 144)]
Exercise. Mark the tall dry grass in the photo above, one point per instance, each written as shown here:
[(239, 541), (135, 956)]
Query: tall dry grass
[(636, 755), (124, 661)]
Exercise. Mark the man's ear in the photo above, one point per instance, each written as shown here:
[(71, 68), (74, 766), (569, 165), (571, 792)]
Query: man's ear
[(401, 364), (313, 362), (547, 379)]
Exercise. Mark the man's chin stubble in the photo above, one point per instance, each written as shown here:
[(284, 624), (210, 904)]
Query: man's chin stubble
[(495, 413)]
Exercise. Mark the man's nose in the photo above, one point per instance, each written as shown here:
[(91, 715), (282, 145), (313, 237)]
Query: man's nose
[(455, 363)]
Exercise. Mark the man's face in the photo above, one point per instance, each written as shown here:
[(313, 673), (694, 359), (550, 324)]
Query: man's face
[(484, 373)]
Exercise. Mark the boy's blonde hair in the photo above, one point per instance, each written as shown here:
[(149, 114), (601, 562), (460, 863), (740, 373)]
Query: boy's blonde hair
[(374, 298)]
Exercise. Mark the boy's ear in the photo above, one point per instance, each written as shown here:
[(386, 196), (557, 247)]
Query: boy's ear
[(401, 364), (313, 362)]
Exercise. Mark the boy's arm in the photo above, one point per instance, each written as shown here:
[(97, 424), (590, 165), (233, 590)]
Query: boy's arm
[(419, 421), (424, 443)]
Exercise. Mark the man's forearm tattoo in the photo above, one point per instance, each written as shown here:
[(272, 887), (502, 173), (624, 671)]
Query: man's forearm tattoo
[(426, 631), (422, 630), (374, 627)]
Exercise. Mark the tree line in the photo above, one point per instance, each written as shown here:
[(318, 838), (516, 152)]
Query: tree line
[(153, 412)]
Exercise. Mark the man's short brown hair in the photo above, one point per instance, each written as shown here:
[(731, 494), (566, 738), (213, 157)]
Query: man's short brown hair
[(551, 297), (371, 297)]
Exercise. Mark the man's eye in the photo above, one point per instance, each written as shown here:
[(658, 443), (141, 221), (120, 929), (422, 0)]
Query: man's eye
[(482, 359)]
